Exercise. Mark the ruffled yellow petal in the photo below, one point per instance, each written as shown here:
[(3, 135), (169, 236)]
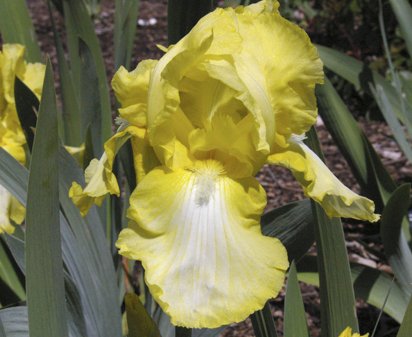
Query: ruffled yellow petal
[(164, 90), (348, 333), (10, 208), (210, 121), (250, 56), (321, 185), (224, 70), (183, 56), (272, 45), (131, 91), (222, 123), (198, 236), (135, 114), (99, 177)]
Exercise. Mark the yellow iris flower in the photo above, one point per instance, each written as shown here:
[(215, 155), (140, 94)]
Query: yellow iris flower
[(348, 333), (12, 138), (235, 93)]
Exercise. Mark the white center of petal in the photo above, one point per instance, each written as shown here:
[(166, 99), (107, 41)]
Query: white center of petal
[(207, 174), (205, 186)]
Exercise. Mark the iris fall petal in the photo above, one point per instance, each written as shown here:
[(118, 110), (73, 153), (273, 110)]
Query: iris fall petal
[(198, 236), (321, 185), (99, 177)]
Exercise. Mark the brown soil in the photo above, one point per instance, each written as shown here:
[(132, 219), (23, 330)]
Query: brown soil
[(278, 182)]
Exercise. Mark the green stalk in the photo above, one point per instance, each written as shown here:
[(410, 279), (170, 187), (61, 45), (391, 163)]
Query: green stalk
[(336, 291)]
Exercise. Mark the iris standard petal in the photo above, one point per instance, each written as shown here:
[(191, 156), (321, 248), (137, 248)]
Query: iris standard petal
[(198, 236), (180, 60), (280, 67), (224, 70), (321, 185), (223, 124), (268, 63)]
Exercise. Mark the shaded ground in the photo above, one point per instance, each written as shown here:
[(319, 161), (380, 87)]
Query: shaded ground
[(278, 182)]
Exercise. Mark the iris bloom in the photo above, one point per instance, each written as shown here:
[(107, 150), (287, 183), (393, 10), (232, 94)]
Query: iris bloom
[(235, 93), (348, 333), (12, 138)]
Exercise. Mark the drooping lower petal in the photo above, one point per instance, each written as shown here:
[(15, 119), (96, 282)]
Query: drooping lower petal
[(321, 185), (100, 179), (198, 236)]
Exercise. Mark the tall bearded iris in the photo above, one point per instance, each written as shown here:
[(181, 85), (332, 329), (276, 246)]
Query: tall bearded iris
[(235, 93), (12, 138)]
